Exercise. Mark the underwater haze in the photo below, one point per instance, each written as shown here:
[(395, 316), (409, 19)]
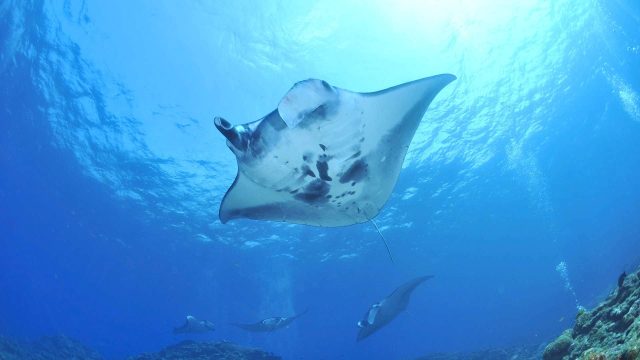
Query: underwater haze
[(520, 192)]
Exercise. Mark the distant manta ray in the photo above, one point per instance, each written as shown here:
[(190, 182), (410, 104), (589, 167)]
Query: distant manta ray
[(381, 313), (269, 324), (326, 156), (193, 326)]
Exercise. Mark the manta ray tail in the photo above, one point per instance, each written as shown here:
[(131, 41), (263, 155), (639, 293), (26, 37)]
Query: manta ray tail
[(301, 313), (383, 240)]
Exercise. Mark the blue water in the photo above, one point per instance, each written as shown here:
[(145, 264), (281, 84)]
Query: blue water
[(111, 171)]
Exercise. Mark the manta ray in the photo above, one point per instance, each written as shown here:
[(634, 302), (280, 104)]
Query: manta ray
[(381, 313), (193, 326), (325, 156), (269, 324)]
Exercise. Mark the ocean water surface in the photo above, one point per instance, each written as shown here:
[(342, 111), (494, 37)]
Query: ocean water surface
[(520, 191)]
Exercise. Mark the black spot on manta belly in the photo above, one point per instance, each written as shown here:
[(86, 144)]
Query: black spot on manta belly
[(324, 148), (314, 192), (356, 172), (354, 155), (307, 171), (323, 169)]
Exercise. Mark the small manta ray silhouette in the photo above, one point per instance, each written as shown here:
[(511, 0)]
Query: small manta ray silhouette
[(194, 326), (269, 324)]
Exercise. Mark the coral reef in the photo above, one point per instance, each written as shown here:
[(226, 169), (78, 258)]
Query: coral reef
[(519, 353), (46, 348), (610, 331), (62, 347), (207, 350)]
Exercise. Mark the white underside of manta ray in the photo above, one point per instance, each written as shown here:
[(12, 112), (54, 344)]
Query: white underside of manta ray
[(326, 156)]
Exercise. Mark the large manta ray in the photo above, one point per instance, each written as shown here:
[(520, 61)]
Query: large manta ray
[(326, 156)]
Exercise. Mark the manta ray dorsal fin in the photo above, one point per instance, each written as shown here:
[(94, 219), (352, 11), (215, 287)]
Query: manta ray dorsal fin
[(304, 98)]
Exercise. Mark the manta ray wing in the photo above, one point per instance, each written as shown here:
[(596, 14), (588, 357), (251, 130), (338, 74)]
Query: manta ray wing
[(326, 156)]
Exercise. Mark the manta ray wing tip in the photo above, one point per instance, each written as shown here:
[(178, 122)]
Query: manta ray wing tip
[(448, 77)]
